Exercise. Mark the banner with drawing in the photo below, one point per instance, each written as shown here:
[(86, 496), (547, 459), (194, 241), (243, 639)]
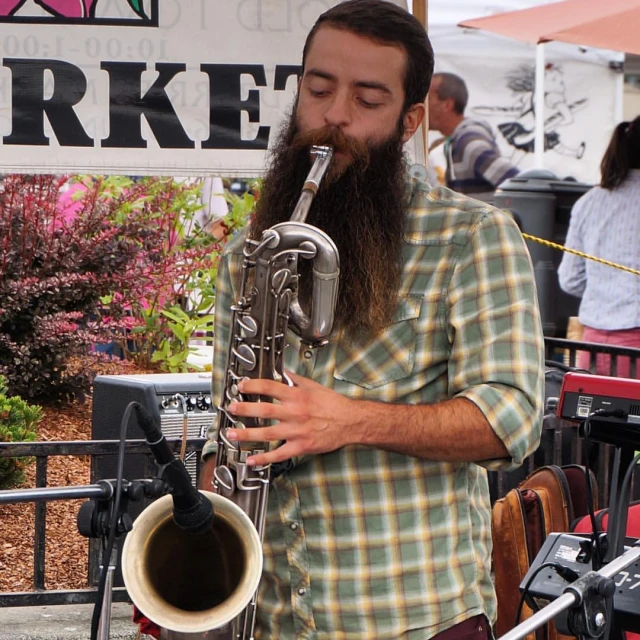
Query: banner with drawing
[(183, 87), (580, 94)]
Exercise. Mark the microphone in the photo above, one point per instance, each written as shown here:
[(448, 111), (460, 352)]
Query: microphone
[(192, 511)]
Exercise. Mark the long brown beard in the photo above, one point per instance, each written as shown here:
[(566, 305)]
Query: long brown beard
[(362, 210)]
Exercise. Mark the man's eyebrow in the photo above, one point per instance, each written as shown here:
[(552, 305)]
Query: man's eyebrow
[(365, 84)]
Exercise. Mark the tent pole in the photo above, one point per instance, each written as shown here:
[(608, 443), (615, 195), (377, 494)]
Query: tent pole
[(618, 109), (420, 11), (538, 148)]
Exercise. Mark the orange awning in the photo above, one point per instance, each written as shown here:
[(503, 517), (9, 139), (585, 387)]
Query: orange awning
[(604, 24)]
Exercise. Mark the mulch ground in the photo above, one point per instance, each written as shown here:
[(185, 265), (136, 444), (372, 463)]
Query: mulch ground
[(66, 551)]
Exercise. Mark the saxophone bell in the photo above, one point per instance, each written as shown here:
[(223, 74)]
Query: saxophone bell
[(192, 583)]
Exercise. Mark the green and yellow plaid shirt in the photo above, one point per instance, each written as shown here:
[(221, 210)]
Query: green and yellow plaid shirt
[(366, 544)]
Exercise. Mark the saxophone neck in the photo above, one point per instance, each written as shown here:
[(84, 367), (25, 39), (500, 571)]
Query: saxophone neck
[(322, 159)]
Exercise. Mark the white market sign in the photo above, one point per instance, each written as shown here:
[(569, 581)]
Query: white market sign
[(183, 87)]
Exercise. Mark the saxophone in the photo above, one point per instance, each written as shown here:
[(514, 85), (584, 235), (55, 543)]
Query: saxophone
[(205, 586)]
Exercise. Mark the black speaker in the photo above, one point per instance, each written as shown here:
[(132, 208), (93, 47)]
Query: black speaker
[(166, 396)]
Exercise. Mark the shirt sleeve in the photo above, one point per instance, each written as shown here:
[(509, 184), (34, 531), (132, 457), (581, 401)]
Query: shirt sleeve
[(497, 358), (572, 272), (484, 156)]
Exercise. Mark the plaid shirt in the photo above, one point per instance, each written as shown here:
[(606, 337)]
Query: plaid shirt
[(362, 543)]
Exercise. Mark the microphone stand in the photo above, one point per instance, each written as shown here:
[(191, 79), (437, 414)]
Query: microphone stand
[(95, 517), (587, 595)]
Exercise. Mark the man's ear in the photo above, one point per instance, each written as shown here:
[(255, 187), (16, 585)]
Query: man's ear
[(412, 120)]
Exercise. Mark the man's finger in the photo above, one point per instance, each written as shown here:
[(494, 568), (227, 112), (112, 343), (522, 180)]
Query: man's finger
[(260, 434), (301, 381), (263, 387), (266, 410), (277, 455)]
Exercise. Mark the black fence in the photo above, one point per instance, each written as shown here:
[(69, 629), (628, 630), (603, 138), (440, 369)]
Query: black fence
[(42, 451), (560, 445)]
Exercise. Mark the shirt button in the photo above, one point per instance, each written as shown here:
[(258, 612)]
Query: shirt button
[(308, 354), (301, 591), (293, 526)]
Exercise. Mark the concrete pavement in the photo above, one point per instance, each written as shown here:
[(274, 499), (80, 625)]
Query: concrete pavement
[(65, 622)]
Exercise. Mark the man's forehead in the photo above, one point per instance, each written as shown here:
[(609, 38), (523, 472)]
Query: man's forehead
[(334, 51)]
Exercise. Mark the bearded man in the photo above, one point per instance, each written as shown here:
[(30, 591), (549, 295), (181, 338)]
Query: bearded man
[(378, 523)]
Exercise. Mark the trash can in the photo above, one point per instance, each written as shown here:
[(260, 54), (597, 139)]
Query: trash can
[(541, 205)]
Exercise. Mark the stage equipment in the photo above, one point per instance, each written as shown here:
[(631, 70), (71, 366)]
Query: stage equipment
[(584, 598), (608, 409), (175, 400), (612, 406), (574, 551), (187, 585), (169, 397)]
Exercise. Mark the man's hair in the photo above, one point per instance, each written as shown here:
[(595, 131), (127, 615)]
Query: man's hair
[(453, 86), (386, 23), (622, 154)]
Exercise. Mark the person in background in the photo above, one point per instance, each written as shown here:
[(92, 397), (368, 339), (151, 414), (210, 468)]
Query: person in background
[(378, 516), (605, 223), (474, 164), (214, 207)]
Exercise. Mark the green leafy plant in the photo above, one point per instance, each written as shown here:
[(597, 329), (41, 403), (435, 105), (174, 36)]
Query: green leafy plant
[(195, 316), (18, 423), (174, 352)]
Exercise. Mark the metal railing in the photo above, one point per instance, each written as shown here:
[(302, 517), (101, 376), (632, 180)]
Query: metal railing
[(42, 451), (560, 445)]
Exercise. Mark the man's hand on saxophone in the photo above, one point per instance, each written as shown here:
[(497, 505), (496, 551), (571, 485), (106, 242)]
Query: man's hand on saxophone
[(313, 419), (310, 418)]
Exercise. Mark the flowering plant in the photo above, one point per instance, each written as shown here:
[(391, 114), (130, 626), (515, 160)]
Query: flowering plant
[(113, 270)]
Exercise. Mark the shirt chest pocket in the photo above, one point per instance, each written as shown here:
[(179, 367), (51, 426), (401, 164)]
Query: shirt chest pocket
[(389, 356)]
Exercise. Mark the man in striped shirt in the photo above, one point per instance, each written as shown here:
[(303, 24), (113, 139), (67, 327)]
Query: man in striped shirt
[(474, 164), (378, 523)]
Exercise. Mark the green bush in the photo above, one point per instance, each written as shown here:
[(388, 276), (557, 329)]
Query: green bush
[(18, 422)]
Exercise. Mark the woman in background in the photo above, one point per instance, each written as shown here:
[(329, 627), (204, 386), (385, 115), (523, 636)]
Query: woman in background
[(605, 223)]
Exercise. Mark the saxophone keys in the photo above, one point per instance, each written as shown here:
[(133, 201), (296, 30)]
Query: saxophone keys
[(280, 280), (224, 481), (246, 356), (249, 326)]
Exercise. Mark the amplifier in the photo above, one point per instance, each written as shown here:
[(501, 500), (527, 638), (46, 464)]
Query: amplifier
[(161, 395), (164, 395)]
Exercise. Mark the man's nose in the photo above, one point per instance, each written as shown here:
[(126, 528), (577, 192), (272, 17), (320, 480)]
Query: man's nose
[(338, 112)]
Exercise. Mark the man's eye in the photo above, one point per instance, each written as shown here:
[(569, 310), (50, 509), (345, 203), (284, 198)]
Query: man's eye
[(317, 93), (369, 105)]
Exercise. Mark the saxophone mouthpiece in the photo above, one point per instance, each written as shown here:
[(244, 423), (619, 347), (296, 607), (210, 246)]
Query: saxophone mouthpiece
[(321, 156), (321, 152)]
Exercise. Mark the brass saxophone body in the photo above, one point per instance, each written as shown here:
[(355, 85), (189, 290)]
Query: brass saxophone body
[(267, 306)]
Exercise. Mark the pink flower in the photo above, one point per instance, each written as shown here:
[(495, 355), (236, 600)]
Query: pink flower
[(68, 8)]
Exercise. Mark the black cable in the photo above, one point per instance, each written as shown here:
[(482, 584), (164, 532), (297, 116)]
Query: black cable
[(624, 487), (601, 413), (598, 556), (564, 572), (113, 524)]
